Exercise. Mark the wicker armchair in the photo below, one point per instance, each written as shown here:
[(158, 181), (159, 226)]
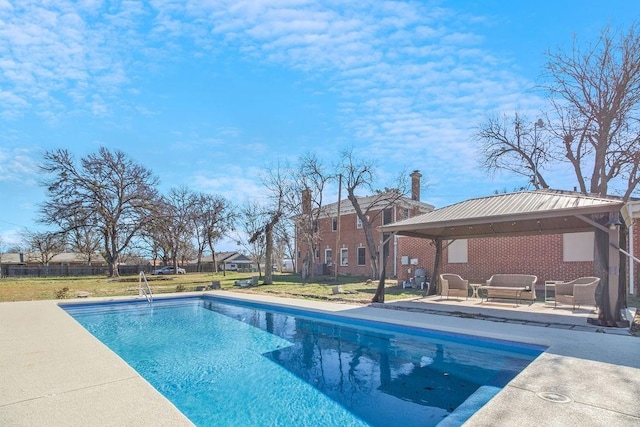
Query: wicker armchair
[(577, 292), (453, 285)]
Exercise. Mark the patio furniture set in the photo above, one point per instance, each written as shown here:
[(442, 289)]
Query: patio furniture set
[(520, 287)]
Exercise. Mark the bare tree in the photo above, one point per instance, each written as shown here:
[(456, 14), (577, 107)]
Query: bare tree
[(46, 245), (359, 176), (180, 210), (305, 202), (152, 240), (285, 242), (107, 191), (595, 92), (279, 249), (170, 232), (84, 240), (251, 221), (213, 220), (516, 145), (278, 188), (593, 124)]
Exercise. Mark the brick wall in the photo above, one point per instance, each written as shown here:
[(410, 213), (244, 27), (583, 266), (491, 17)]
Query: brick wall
[(538, 255)]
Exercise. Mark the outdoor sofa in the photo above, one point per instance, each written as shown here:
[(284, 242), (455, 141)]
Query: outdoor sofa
[(452, 285), (577, 292), (510, 286)]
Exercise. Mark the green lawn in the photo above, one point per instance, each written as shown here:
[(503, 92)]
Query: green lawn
[(351, 289)]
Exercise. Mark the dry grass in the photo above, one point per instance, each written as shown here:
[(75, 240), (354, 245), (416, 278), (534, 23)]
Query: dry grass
[(351, 289)]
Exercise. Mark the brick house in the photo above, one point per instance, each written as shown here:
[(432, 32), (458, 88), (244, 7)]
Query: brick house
[(342, 242)]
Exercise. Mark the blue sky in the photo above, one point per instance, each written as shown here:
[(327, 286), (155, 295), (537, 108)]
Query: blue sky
[(207, 93)]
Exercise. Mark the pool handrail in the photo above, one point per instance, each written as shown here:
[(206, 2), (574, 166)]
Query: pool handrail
[(146, 291)]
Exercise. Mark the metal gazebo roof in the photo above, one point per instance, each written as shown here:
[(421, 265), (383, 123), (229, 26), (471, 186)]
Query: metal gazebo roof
[(512, 214)]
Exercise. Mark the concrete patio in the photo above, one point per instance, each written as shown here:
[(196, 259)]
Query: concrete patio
[(544, 314), (55, 373)]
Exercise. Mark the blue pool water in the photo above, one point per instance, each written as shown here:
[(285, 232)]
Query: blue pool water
[(228, 364)]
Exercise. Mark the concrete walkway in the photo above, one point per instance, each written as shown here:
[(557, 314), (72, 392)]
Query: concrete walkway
[(55, 373)]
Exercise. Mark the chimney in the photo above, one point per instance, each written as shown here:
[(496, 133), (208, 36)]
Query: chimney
[(415, 185), (306, 201)]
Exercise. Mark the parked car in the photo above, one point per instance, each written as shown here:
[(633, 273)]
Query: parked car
[(168, 269)]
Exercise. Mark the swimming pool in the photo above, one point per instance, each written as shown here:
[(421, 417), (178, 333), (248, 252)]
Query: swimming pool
[(227, 363)]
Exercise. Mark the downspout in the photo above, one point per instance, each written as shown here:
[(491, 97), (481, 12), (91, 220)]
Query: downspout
[(337, 259), (630, 240), (395, 246), (295, 250), (395, 256)]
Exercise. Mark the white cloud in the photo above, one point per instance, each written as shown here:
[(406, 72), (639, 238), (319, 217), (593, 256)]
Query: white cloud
[(17, 166)]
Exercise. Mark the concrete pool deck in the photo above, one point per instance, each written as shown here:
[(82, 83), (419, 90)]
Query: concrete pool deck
[(53, 372)]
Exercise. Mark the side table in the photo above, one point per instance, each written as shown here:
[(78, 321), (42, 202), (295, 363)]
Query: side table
[(474, 287), (548, 285)]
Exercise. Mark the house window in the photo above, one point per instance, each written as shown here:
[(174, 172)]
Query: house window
[(578, 246), (334, 224), (358, 222), (387, 216), (316, 253), (361, 256), (327, 256), (404, 213), (314, 224), (344, 257), (458, 251)]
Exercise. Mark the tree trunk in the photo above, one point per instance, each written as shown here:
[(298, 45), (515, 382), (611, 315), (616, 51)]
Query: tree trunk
[(435, 276), (111, 244), (379, 295), (606, 266), (268, 255)]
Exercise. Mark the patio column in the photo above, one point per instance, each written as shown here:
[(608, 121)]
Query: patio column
[(607, 263), (614, 264)]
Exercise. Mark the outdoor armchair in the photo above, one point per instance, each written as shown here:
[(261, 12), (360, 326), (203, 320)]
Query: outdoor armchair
[(453, 285), (577, 292)]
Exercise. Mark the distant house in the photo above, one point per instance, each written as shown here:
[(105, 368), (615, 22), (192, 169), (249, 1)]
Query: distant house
[(229, 261), (235, 261)]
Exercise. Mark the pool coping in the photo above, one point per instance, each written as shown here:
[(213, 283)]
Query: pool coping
[(56, 373)]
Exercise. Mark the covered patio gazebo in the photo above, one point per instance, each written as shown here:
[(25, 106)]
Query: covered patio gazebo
[(532, 213)]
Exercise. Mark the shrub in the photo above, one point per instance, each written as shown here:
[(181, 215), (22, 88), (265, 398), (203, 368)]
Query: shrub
[(62, 293)]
